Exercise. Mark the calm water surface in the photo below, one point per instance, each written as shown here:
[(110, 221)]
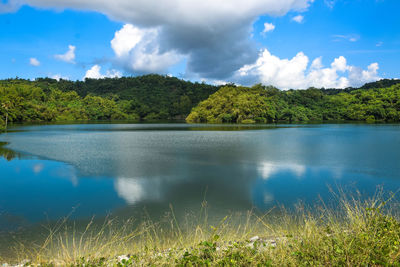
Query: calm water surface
[(49, 172)]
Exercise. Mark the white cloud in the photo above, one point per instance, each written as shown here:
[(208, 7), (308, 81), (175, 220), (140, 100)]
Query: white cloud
[(330, 3), (34, 62), (139, 50), (298, 18), (192, 28), (126, 39), (359, 76), (94, 73), (204, 12), (296, 73), (283, 73), (69, 56), (268, 27), (59, 77), (340, 64), (317, 63), (351, 37), (371, 73), (379, 44)]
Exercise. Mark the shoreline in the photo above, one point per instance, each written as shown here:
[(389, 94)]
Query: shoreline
[(356, 233)]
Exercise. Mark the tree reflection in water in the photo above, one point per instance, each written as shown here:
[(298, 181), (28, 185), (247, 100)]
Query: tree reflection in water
[(7, 153)]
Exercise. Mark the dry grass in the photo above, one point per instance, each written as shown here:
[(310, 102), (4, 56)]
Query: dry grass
[(353, 233)]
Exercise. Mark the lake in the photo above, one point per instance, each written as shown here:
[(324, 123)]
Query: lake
[(48, 172)]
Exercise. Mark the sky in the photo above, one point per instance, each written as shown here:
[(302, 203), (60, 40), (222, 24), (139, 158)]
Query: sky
[(286, 43)]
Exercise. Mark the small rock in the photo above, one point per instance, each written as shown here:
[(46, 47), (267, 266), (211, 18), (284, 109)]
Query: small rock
[(250, 245), (22, 263), (123, 257), (57, 263), (272, 242), (254, 238)]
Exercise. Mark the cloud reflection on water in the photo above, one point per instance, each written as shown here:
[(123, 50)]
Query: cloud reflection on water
[(134, 190), (268, 169), (123, 168), (37, 168)]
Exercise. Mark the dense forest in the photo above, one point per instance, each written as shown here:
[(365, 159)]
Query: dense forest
[(267, 104), (155, 97), (149, 97)]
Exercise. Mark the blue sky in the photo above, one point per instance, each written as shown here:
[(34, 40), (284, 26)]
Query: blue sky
[(330, 43)]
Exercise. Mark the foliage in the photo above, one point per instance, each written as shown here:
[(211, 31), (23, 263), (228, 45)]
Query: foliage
[(31, 103), (149, 97), (381, 84), (234, 104), (155, 97), (268, 104)]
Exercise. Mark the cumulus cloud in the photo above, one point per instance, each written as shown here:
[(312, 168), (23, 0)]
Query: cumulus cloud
[(214, 36), (298, 73), (284, 73), (126, 39), (95, 73), (359, 76), (268, 27), (317, 63), (69, 56), (139, 50), (340, 64), (34, 62), (298, 18)]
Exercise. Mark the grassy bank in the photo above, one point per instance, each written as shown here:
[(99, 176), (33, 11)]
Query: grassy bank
[(353, 233)]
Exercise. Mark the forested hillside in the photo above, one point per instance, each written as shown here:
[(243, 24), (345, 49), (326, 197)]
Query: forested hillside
[(25, 102), (267, 104), (149, 97), (156, 97)]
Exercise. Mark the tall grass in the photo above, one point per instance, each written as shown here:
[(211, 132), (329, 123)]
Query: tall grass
[(354, 232)]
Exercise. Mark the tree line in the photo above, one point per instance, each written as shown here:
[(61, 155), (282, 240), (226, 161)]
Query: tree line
[(262, 104), (156, 97), (144, 98)]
